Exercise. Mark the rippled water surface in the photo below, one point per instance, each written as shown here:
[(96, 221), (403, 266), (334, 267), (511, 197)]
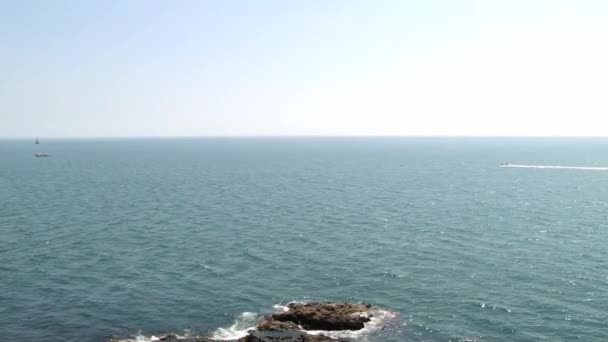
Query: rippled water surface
[(118, 237)]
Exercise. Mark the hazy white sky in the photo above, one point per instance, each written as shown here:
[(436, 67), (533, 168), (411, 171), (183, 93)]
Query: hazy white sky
[(325, 67)]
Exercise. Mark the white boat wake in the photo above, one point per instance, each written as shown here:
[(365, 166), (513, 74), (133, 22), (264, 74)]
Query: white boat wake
[(555, 167)]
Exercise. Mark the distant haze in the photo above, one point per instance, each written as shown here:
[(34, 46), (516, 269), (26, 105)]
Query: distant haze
[(194, 68)]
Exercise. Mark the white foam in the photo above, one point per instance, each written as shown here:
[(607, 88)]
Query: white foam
[(555, 167), (282, 308), (241, 327), (141, 338)]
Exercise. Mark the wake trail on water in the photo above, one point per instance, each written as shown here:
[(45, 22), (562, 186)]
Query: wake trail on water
[(525, 166)]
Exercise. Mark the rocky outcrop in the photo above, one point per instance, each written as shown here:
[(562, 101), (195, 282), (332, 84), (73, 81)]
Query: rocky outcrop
[(291, 324), (324, 316), (286, 336)]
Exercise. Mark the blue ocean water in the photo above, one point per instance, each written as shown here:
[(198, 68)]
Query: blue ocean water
[(149, 236)]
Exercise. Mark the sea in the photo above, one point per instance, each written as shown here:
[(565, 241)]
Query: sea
[(137, 238)]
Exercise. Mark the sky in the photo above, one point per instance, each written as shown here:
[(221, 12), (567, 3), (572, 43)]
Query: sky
[(72, 68)]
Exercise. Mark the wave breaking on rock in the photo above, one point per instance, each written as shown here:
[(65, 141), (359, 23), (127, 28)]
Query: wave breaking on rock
[(295, 322)]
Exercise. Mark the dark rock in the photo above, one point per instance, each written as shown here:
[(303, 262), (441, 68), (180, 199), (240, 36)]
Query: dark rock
[(326, 316), (286, 336), (273, 325)]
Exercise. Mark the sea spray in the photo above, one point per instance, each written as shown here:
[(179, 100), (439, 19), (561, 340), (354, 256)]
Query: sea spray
[(242, 326)]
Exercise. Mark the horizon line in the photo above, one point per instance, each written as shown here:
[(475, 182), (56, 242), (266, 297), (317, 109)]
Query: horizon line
[(290, 136)]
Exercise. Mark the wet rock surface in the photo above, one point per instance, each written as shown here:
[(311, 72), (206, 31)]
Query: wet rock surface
[(326, 316), (286, 336), (291, 324)]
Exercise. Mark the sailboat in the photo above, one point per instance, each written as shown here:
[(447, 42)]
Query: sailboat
[(40, 154)]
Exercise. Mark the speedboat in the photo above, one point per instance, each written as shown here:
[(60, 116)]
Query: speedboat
[(41, 155)]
